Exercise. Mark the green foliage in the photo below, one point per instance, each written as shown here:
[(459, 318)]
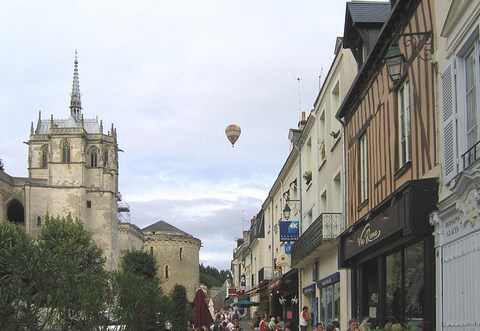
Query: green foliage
[(51, 283), (211, 277), (139, 300), (180, 312), (140, 263), (141, 303)]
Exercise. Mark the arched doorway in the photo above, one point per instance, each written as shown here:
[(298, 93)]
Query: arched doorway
[(15, 212)]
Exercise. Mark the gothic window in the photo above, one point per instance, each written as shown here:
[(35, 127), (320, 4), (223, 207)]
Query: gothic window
[(105, 157), (93, 157), (39, 220), (65, 151), (44, 161)]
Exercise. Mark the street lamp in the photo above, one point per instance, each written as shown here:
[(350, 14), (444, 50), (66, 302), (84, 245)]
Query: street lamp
[(287, 211), (395, 62)]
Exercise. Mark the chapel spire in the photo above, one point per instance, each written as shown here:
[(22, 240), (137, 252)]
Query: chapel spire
[(75, 100)]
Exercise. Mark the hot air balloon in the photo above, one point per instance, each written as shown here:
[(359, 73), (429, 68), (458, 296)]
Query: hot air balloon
[(233, 132)]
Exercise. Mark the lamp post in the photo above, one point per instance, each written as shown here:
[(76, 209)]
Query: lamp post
[(287, 211), (395, 62)]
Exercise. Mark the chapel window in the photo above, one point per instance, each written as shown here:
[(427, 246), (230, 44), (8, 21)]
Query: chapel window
[(65, 151)]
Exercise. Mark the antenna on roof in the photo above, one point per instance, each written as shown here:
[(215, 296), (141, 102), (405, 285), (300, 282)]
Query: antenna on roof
[(300, 85), (320, 79)]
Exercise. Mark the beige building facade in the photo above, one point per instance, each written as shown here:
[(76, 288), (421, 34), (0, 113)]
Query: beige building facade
[(177, 255)]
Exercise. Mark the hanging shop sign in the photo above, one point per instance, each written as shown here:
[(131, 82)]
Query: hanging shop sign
[(288, 248), (289, 230)]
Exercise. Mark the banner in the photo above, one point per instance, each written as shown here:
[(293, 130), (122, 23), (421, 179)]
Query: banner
[(289, 230)]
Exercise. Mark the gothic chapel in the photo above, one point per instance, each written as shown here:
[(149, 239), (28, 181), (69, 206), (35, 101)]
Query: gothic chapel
[(73, 169)]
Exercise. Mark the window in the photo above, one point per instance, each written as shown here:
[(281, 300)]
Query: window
[(329, 303), (181, 253), (89, 204), (471, 106), (166, 272), (363, 168), (65, 151), (404, 124), (39, 221), (93, 158), (461, 107), (44, 161), (105, 157)]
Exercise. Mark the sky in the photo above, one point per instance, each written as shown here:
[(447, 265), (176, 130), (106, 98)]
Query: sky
[(171, 75)]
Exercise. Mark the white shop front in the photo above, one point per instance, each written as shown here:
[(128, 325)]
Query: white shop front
[(457, 255)]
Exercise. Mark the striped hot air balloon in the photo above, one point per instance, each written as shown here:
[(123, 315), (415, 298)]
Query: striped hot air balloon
[(233, 132)]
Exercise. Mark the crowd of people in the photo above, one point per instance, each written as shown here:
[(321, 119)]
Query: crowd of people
[(229, 320)]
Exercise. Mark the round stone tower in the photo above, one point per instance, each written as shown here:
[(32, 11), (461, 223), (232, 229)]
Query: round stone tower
[(177, 255)]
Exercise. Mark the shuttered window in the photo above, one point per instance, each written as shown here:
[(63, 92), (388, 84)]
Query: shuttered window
[(449, 124)]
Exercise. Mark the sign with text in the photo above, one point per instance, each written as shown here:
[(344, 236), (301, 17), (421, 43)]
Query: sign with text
[(289, 230)]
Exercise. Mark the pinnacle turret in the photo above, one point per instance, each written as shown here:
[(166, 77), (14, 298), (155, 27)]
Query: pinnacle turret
[(75, 97)]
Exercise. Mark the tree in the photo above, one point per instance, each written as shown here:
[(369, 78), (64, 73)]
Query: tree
[(140, 263), (140, 299), (79, 284), (181, 311), (2, 167)]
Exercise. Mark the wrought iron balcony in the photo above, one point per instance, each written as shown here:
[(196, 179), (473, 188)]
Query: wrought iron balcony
[(327, 227), (470, 156)]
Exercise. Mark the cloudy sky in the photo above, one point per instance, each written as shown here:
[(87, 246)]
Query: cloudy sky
[(171, 75)]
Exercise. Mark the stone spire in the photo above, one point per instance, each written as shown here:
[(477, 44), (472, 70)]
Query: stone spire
[(75, 100)]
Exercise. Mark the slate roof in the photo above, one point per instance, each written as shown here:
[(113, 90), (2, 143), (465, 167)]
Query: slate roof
[(164, 227), (90, 125), (368, 12)]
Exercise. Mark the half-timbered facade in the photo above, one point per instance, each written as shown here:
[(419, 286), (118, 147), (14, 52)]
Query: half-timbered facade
[(392, 171)]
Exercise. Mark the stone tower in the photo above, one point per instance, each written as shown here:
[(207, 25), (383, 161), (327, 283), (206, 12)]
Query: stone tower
[(177, 255), (73, 168)]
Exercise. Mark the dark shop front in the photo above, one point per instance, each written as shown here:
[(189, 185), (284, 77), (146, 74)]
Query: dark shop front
[(391, 254)]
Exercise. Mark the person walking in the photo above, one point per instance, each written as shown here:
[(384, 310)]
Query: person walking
[(304, 319)]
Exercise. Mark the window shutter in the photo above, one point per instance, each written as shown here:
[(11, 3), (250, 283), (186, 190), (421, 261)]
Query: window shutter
[(449, 124)]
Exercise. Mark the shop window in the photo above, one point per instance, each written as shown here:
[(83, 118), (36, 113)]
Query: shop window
[(330, 303), (394, 284), (414, 282)]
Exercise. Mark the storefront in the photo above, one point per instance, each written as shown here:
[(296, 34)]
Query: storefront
[(457, 238), (391, 255), (329, 289)]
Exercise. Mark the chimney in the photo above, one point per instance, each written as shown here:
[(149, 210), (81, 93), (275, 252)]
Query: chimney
[(302, 123)]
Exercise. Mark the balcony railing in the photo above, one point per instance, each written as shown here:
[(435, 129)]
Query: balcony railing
[(470, 156), (327, 226)]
